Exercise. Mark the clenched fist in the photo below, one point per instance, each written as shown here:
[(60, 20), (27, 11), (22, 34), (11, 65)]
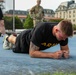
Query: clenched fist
[(65, 54), (57, 54)]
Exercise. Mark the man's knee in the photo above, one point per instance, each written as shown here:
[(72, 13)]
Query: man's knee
[(12, 39)]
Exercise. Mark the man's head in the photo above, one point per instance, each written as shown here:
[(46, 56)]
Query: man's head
[(38, 2), (64, 30)]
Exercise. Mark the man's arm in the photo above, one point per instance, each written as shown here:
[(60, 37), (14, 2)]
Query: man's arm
[(36, 53), (65, 50), (32, 12), (43, 12)]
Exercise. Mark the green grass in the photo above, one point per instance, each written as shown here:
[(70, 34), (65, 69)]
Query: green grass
[(61, 73), (58, 73)]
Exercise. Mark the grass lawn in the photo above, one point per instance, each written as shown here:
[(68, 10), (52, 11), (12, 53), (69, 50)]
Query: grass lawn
[(58, 73)]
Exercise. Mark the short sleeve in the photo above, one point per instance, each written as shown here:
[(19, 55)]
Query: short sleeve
[(64, 42), (37, 36)]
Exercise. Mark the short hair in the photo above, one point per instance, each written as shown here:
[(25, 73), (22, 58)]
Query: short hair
[(66, 27), (38, 0)]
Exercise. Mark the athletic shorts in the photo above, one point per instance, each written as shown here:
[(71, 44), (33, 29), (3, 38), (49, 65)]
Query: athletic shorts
[(21, 45)]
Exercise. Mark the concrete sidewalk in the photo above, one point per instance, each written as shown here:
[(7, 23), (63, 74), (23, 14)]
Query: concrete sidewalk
[(22, 64)]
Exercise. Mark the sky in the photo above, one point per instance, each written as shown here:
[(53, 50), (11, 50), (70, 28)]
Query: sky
[(27, 4)]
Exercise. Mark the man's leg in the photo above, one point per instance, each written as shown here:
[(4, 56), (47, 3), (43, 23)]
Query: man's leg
[(11, 39), (0, 34), (15, 41), (8, 41), (34, 22), (2, 27)]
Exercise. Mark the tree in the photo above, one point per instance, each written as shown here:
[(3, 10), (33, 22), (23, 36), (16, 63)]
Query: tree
[(28, 22), (8, 22), (18, 23)]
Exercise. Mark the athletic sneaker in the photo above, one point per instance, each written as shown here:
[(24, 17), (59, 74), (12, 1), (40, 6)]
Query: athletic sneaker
[(10, 45), (6, 44)]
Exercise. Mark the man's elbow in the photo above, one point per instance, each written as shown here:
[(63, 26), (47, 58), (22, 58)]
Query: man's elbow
[(31, 53)]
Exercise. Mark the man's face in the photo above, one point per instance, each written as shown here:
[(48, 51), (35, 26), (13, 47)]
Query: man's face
[(60, 35), (38, 2)]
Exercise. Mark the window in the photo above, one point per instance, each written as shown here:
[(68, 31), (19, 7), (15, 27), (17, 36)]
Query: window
[(73, 20), (69, 12), (69, 16), (74, 11), (73, 15)]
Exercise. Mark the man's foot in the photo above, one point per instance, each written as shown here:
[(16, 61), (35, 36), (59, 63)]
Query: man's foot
[(6, 44)]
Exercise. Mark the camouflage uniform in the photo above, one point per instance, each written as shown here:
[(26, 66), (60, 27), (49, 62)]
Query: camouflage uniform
[(37, 13)]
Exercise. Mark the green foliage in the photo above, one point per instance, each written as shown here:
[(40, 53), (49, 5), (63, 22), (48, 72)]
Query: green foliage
[(18, 23), (57, 73), (28, 22), (8, 22), (74, 27), (62, 73)]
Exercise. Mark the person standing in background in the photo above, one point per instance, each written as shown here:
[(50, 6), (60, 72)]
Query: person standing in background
[(2, 27), (37, 13)]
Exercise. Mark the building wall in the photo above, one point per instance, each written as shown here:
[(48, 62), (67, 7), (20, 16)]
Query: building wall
[(66, 13), (23, 14), (72, 15)]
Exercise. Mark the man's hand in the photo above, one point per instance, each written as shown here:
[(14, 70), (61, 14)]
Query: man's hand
[(57, 55), (65, 54)]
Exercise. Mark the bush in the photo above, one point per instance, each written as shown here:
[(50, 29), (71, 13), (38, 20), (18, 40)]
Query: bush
[(74, 27), (28, 22)]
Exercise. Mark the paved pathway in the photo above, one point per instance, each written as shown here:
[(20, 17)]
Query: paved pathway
[(21, 64)]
